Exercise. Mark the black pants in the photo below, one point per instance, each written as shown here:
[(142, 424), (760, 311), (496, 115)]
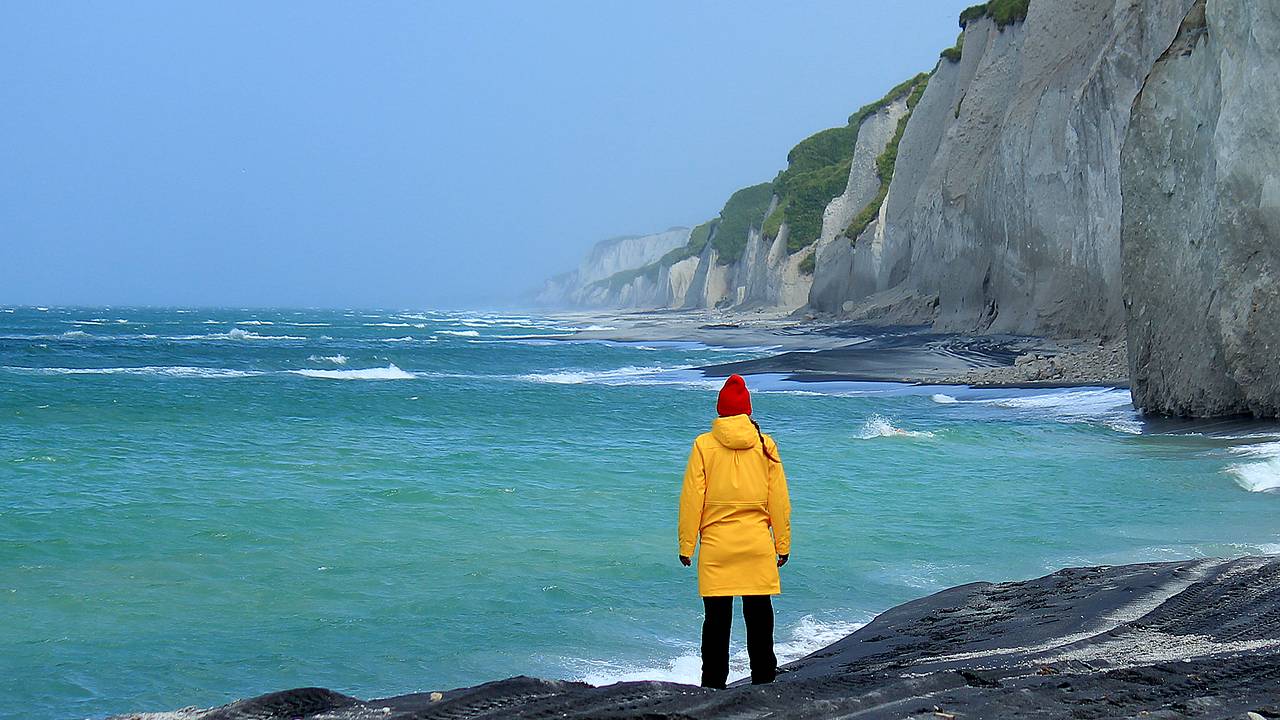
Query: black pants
[(757, 610)]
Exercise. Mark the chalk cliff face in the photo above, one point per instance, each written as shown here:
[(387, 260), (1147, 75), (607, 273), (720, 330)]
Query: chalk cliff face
[(1004, 210), (835, 278), (605, 259), (1201, 223)]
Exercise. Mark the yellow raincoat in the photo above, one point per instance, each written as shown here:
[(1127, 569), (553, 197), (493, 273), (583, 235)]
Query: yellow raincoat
[(733, 495)]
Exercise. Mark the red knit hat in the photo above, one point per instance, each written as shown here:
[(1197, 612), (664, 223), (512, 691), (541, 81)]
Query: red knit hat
[(735, 399)]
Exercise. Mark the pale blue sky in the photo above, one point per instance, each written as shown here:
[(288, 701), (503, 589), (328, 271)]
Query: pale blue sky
[(401, 154)]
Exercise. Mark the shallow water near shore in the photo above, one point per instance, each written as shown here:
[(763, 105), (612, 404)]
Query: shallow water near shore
[(201, 505)]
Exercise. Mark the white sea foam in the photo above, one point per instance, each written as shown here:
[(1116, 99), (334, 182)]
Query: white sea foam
[(1111, 407), (391, 324), (1262, 471), (808, 636), (878, 426), (406, 338), (335, 359), (255, 322), (213, 322), (390, 372), (173, 371), (293, 324), (943, 399), (460, 333)]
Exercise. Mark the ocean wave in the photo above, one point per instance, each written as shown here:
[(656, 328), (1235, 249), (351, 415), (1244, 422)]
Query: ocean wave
[(254, 322), (173, 371), (806, 637), (878, 426), (395, 324), (235, 334), (943, 399), (390, 372), (297, 324), (1262, 472), (460, 333), (1110, 407), (406, 338), (338, 359), (619, 376)]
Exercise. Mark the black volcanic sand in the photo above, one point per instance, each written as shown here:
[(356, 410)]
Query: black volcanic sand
[(894, 357), (1198, 638)]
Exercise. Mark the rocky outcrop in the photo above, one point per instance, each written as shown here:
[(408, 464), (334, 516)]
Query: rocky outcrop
[(1004, 210), (1197, 638), (606, 259), (1201, 223)]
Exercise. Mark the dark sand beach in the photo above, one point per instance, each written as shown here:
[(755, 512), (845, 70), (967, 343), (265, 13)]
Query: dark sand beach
[(813, 350)]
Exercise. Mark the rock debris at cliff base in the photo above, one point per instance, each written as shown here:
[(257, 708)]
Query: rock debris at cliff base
[(1196, 638)]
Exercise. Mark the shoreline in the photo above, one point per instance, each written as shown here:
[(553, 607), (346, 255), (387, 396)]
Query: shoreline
[(812, 350), (1161, 640)]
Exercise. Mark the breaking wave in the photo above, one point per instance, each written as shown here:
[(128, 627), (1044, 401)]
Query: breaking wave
[(806, 637), (173, 371), (390, 372), (236, 334), (621, 376), (1262, 472), (878, 426)]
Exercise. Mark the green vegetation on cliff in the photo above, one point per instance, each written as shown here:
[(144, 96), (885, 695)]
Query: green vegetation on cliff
[(744, 210), (1004, 12), (817, 171), (953, 53), (886, 162)]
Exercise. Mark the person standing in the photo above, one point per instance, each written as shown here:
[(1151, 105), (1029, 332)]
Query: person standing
[(735, 510)]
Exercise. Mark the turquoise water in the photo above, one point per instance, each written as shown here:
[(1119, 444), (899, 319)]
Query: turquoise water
[(202, 505)]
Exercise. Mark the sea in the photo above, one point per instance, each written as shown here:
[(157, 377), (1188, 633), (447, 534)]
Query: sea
[(199, 505)]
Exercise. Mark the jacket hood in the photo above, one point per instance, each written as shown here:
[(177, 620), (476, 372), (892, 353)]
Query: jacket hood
[(735, 432)]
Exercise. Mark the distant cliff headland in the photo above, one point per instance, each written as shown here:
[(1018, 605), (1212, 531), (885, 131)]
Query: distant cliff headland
[(1088, 170)]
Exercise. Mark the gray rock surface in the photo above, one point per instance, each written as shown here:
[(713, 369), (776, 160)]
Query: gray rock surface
[(1004, 211), (1201, 224), (1197, 638)]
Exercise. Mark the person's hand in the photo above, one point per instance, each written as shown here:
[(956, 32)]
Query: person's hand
[(782, 559), (684, 560)]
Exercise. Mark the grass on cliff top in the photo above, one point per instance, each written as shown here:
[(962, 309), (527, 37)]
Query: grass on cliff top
[(886, 163), (817, 171), (954, 53), (1004, 12), (744, 210)]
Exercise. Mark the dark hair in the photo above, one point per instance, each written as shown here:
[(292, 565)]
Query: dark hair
[(763, 446)]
